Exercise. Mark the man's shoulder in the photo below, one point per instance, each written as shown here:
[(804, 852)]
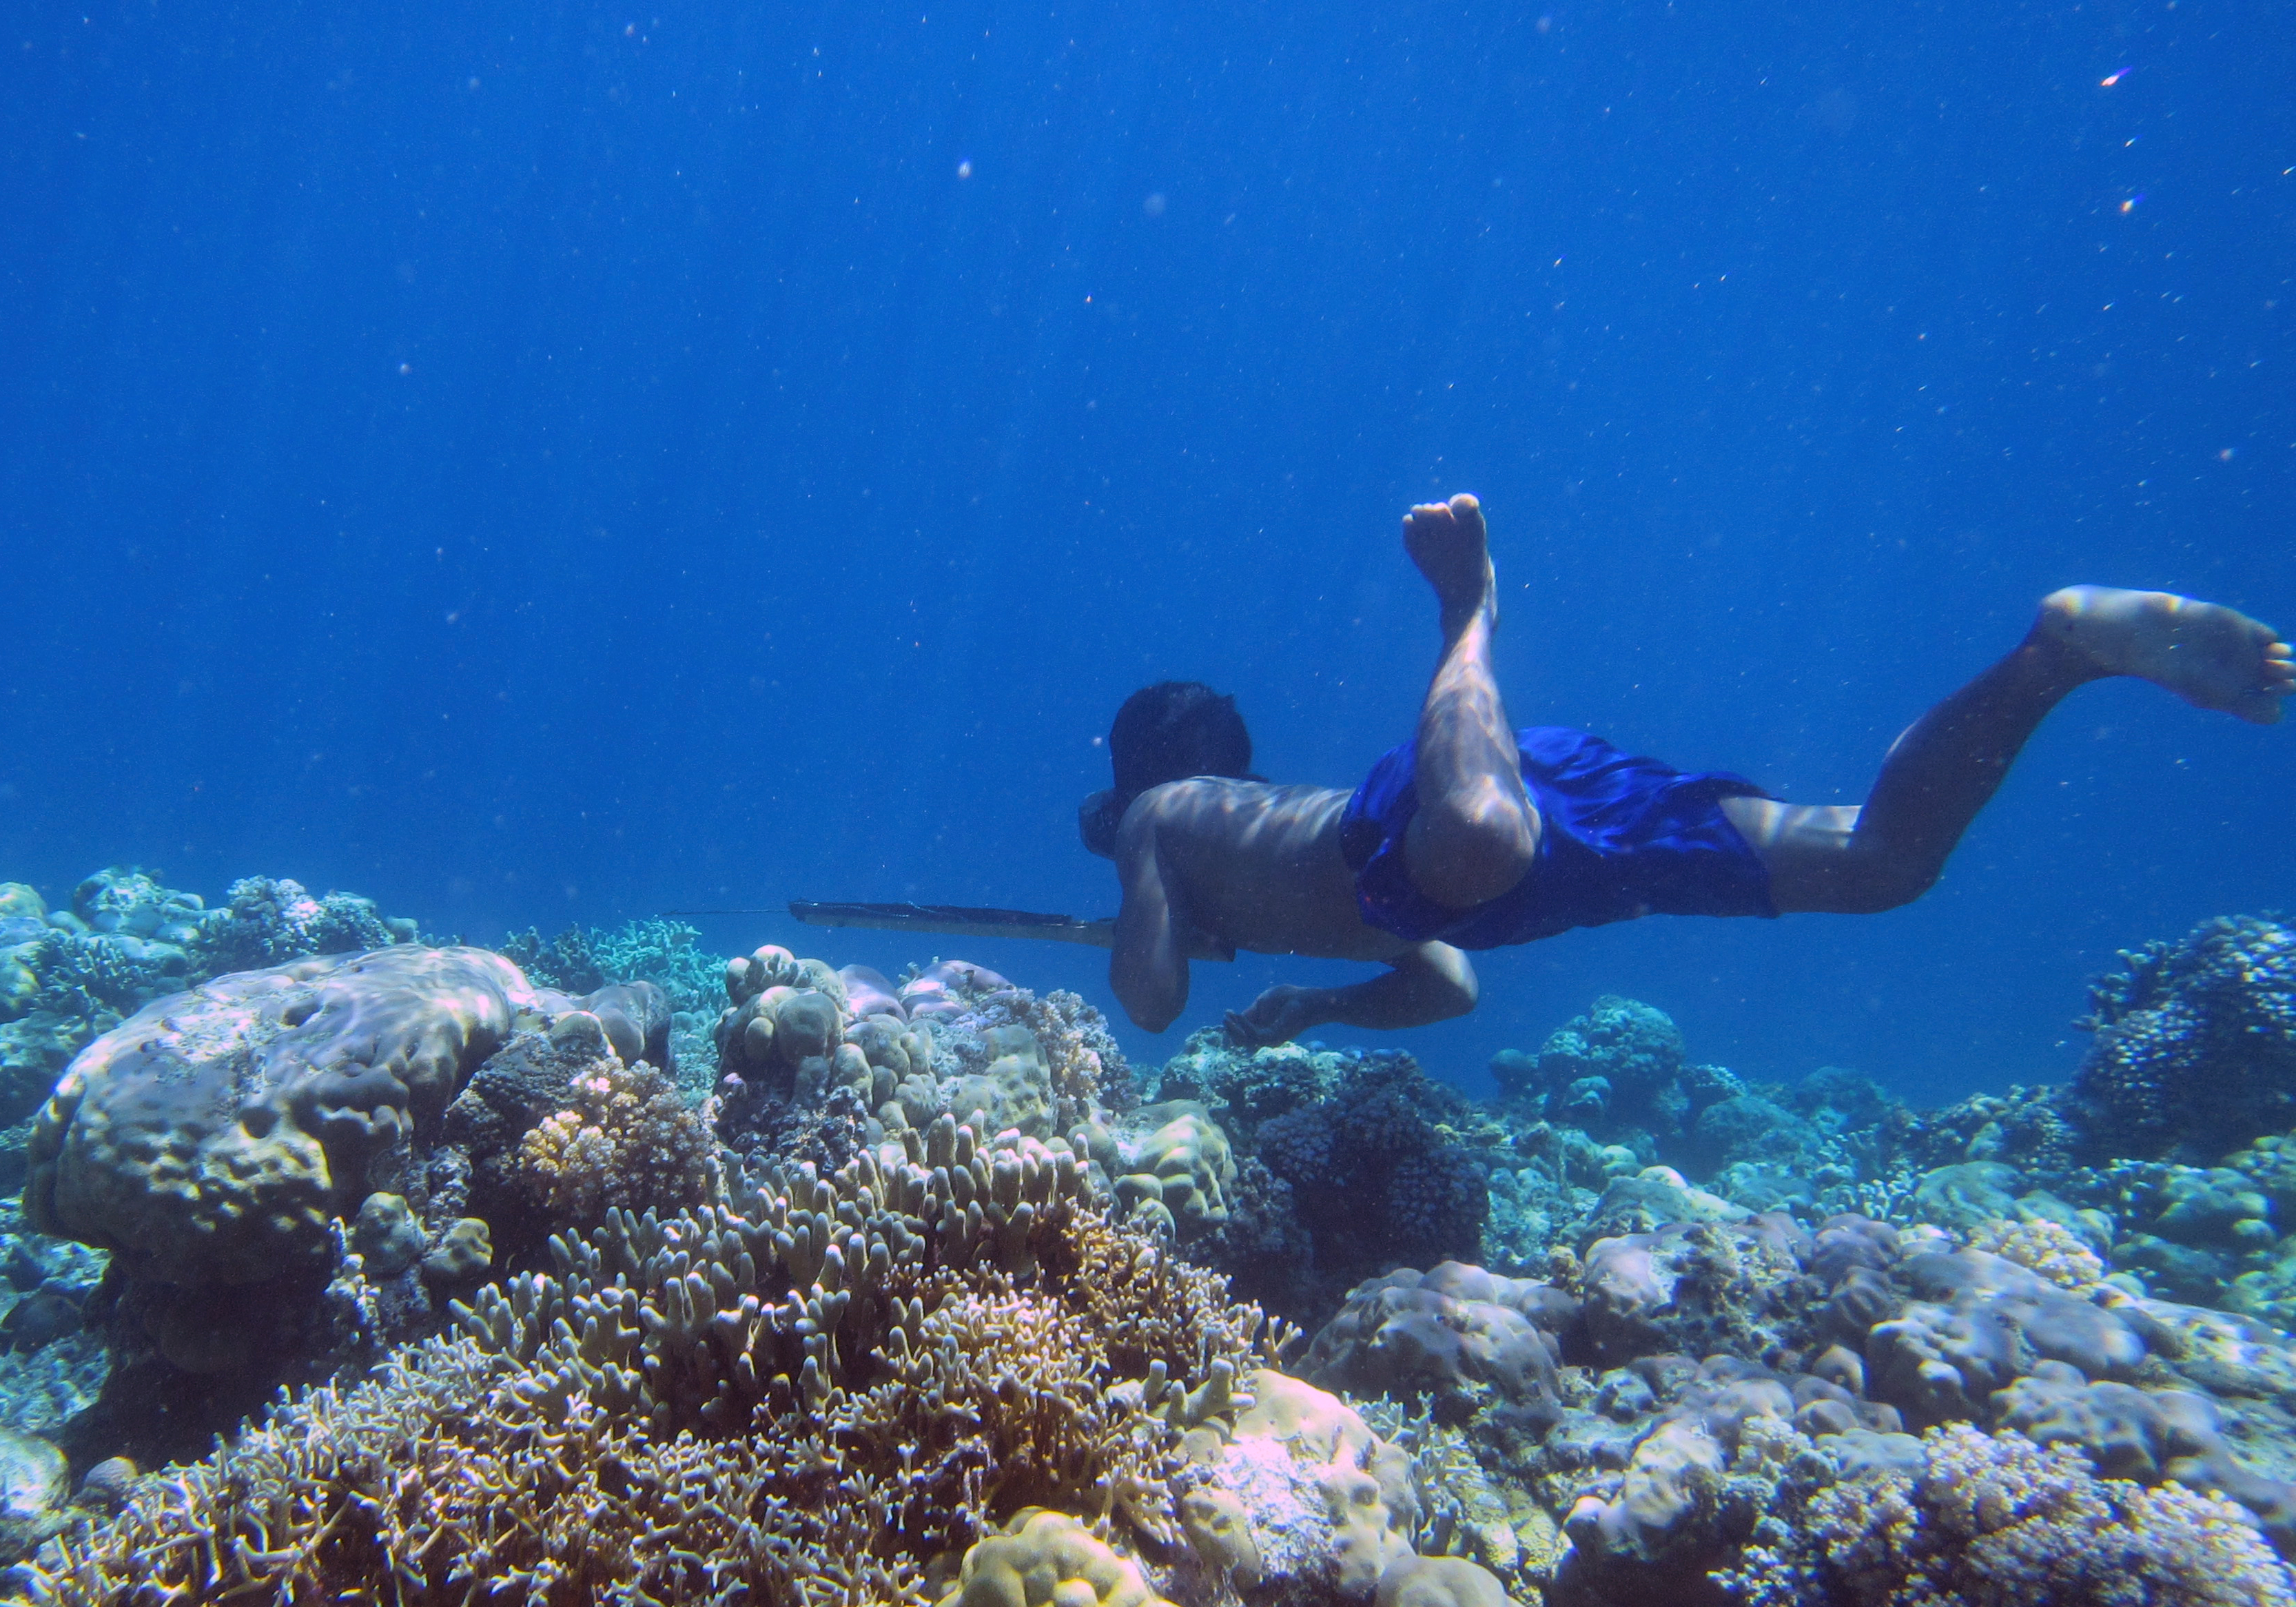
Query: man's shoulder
[(1222, 806)]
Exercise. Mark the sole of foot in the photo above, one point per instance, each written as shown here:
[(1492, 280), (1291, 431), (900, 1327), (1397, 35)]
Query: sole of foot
[(1450, 546), (2210, 656)]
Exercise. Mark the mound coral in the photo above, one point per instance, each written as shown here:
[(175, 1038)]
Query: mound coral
[(211, 1137), (1046, 1557), (1172, 1159), (1456, 1333), (1994, 1520), (2214, 1010)]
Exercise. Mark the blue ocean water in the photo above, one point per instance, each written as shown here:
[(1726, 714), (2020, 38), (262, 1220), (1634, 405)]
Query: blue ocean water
[(546, 463)]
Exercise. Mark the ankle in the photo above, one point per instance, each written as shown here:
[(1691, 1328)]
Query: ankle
[(1480, 618), (2050, 654)]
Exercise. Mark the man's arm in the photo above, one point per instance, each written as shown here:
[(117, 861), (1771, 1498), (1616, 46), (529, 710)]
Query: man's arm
[(1432, 982), (1148, 969)]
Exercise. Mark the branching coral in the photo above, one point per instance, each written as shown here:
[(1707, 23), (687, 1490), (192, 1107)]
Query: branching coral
[(627, 1140), (807, 1390)]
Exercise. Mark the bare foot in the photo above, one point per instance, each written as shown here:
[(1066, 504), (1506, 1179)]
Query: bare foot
[(2208, 655), (1448, 541)]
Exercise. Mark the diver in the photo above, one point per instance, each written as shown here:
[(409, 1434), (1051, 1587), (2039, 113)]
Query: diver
[(1477, 835)]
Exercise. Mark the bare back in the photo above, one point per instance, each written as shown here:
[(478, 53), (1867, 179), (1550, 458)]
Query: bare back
[(1256, 866)]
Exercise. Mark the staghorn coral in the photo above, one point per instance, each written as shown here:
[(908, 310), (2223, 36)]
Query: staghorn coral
[(805, 1391), (1996, 1521)]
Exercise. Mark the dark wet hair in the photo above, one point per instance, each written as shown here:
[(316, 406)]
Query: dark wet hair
[(1172, 730), (1167, 732)]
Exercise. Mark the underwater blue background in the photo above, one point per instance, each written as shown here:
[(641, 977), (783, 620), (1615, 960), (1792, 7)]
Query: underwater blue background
[(529, 463)]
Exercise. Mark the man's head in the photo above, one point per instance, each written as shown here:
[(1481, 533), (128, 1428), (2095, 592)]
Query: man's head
[(1167, 732)]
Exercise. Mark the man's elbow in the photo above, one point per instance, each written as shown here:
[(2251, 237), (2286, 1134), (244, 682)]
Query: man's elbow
[(1149, 1008), (1152, 1018)]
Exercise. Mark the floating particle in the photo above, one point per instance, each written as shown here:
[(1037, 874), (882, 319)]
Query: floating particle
[(2116, 74)]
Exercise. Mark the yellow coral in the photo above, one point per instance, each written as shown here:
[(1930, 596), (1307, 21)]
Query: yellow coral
[(2050, 1248), (1181, 1160), (1047, 1559), (627, 1140)]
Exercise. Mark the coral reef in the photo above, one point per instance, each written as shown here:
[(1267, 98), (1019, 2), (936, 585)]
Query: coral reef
[(269, 922), (1620, 1074), (1586, 1390), (1457, 1335), (66, 976), (212, 1136), (811, 1390), (924, 1296), (1377, 1180), (2214, 1010), (1972, 1520), (1048, 1557), (625, 1139), (662, 952), (1172, 1160)]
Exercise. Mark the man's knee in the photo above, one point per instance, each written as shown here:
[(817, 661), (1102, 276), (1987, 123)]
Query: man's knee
[(1442, 981), (1875, 890), (1467, 853), (1461, 992)]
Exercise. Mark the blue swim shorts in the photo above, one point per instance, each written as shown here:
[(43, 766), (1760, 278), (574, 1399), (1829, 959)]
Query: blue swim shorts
[(1623, 837)]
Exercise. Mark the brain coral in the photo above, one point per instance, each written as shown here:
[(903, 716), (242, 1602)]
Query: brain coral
[(1049, 1557), (210, 1136)]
